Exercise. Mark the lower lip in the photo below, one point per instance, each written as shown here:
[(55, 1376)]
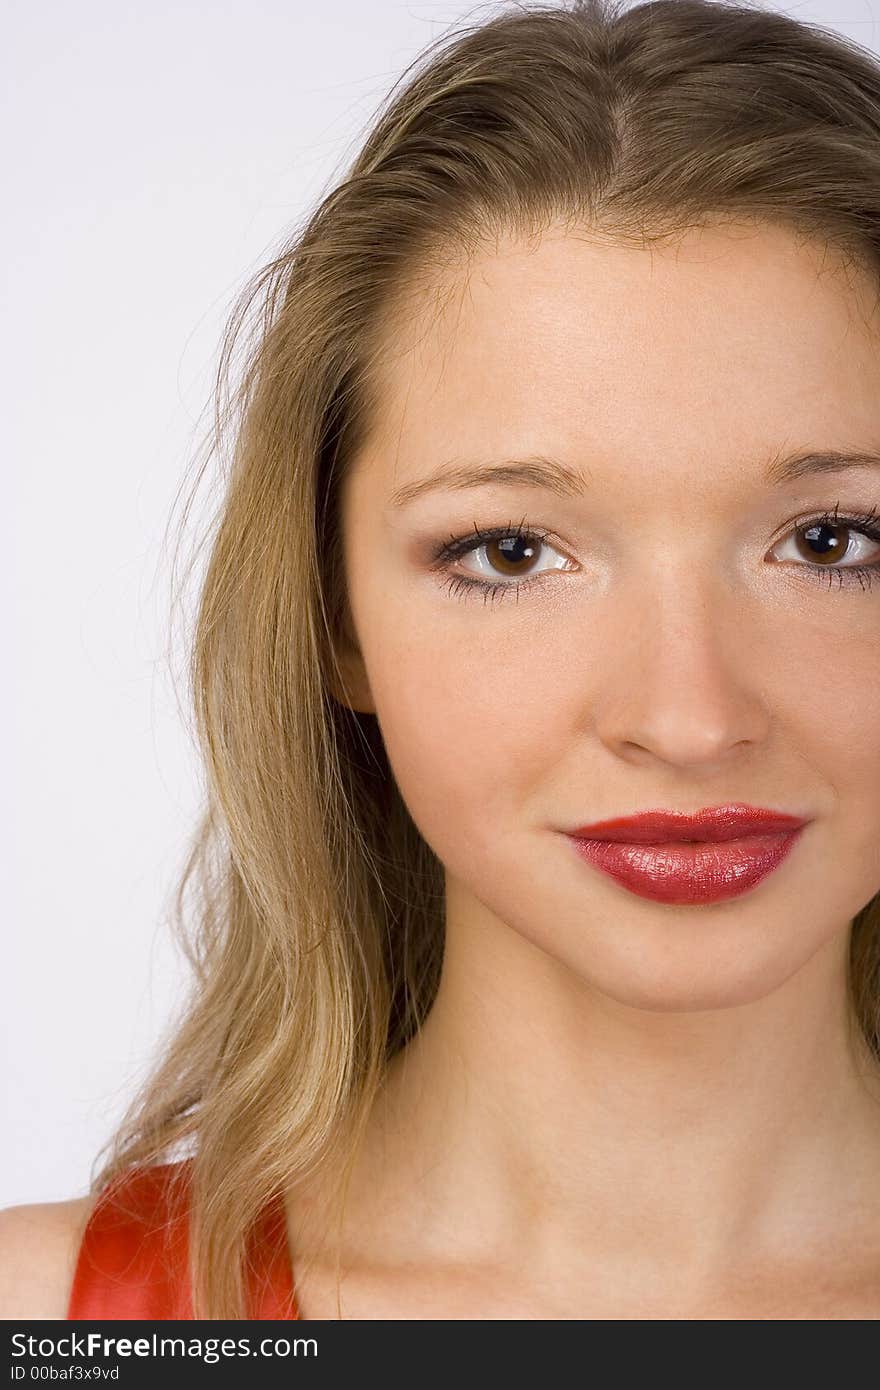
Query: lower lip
[(698, 872)]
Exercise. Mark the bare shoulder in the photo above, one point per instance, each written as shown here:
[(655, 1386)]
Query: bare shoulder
[(39, 1243)]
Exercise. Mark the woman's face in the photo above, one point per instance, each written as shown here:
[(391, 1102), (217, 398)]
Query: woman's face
[(673, 648)]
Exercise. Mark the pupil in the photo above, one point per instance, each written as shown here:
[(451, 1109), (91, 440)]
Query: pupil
[(516, 543), (833, 545)]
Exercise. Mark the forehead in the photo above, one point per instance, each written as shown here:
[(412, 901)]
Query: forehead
[(733, 339)]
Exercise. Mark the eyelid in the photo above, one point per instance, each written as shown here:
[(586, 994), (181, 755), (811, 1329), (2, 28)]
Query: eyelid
[(445, 555), (541, 542), (462, 543)]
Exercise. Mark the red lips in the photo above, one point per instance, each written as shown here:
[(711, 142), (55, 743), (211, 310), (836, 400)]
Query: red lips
[(731, 822), (732, 849)]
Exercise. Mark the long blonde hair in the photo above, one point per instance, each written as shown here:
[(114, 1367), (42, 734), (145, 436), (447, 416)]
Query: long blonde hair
[(317, 920)]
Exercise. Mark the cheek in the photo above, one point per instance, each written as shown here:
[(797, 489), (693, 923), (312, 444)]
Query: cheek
[(834, 716), (844, 708), (823, 699), (848, 743), (471, 735)]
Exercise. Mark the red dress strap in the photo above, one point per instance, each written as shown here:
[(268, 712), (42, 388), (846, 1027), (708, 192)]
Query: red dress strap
[(133, 1257)]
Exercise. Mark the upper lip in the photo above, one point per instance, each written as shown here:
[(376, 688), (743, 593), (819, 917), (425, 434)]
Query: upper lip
[(729, 822)]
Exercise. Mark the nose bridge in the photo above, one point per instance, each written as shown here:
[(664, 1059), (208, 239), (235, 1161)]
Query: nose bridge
[(685, 680)]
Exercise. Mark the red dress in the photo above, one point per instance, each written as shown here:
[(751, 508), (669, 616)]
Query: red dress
[(132, 1260)]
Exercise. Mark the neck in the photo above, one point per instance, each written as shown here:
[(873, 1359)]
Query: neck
[(540, 1120)]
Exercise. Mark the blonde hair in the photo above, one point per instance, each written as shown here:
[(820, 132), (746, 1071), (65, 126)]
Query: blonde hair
[(318, 920)]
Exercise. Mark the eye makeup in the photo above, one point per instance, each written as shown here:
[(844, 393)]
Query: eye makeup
[(522, 536)]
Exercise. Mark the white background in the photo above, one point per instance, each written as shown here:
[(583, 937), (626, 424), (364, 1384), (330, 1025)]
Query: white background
[(155, 154)]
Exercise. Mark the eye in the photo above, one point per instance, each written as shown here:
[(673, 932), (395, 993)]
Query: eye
[(513, 555), (505, 557), (823, 542)]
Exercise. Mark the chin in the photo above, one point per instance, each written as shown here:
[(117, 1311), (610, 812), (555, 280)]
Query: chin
[(665, 982), (680, 998)]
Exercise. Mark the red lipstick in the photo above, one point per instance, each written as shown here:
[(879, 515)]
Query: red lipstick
[(714, 854)]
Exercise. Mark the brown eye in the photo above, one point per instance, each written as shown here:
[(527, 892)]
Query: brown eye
[(498, 561), (830, 544), (506, 556), (512, 555), (824, 543)]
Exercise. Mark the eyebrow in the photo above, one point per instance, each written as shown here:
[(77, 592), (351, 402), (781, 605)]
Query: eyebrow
[(554, 476)]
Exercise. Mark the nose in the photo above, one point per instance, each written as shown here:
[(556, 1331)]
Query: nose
[(687, 684)]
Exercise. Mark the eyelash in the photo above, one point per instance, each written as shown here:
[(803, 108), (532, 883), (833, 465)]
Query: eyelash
[(462, 585)]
